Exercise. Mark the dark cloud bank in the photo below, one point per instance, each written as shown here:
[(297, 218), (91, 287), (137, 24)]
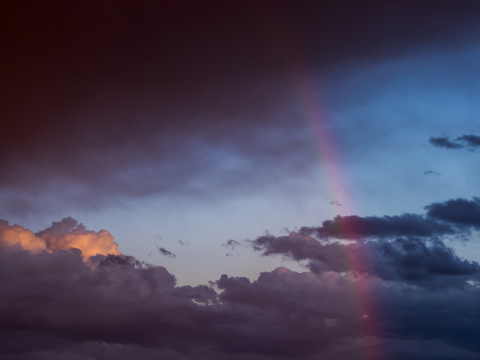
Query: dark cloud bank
[(108, 100), (102, 99), (394, 290)]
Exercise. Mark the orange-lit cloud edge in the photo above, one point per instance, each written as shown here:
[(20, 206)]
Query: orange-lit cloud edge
[(63, 235)]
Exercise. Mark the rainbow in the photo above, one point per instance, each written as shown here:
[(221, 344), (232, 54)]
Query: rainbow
[(310, 101)]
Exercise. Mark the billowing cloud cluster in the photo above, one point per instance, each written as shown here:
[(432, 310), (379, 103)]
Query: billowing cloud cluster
[(398, 291), (409, 260), (63, 235)]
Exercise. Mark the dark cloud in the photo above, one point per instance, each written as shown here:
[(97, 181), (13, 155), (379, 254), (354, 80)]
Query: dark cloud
[(354, 227), (405, 259), (391, 297), (46, 292), (470, 140), (441, 218), (101, 102), (456, 211), (445, 143), (405, 247), (318, 309), (464, 141), (166, 253), (431, 172)]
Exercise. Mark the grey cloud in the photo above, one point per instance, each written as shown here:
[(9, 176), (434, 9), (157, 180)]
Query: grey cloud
[(442, 218), (117, 301), (470, 140), (401, 290), (445, 143), (460, 212), (305, 304), (167, 253), (404, 259), (464, 141), (352, 227)]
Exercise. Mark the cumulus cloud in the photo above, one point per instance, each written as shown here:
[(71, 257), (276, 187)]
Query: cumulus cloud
[(63, 235), (406, 259), (311, 312), (15, 235), (59, 294), (390, 296)]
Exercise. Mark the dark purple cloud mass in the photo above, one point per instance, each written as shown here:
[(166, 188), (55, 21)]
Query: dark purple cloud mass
[(107, 101), (102, 101), (440, 219), (388, 297)]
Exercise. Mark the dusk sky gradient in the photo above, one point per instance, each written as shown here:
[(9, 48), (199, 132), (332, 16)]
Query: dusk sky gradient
[(226, 180)]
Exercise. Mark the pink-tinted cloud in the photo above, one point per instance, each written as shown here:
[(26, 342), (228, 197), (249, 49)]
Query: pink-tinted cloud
[(64, 235), (16, 235)]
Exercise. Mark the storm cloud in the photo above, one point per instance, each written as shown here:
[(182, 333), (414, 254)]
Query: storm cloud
[(60, 302), (153, 98), (210, 122)]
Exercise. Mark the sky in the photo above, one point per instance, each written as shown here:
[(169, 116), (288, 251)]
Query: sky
[(226, 180)]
